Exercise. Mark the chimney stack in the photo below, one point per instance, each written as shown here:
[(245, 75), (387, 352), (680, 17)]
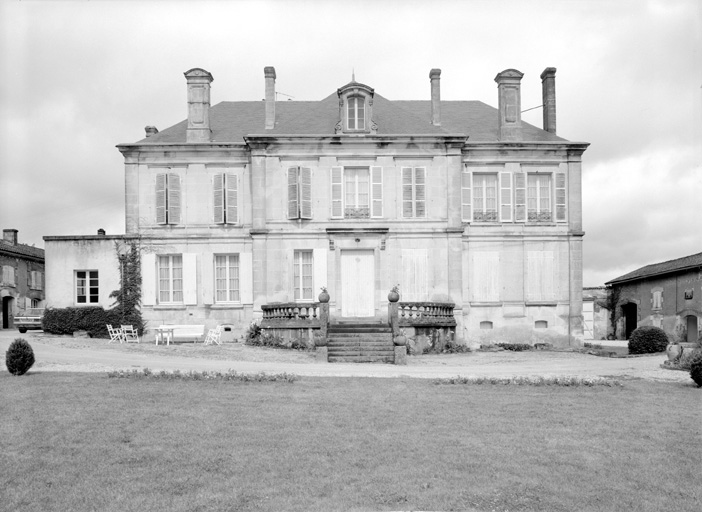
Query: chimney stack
[(101, 232), (269, 74), (150, 130), (198, 105), (548, 92), (434, 78), (10, 236), (509, 104)]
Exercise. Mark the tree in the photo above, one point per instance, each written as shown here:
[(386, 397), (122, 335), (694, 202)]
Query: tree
[(610, 303)]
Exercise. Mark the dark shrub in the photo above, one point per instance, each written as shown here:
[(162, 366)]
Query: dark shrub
[(696, 367), (515, 347), (648, 340), (19, 357), (91, 319)]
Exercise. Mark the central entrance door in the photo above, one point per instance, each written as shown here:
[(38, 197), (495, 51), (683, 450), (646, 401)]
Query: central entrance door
[(357, 283)]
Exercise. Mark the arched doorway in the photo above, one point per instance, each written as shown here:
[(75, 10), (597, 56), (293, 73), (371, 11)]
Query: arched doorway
[(691, 328), (7, 312), (630, 314)]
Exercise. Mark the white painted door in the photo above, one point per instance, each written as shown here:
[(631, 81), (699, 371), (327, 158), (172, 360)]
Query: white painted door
[(357, 278)]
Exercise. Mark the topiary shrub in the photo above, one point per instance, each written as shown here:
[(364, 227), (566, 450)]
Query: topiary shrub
[(696, 368), (648, 340), (19, 357)]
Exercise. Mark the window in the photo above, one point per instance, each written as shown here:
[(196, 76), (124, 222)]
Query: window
[(539, 198), (299, 193), (170, 279), (357, 192), (302, 275), (227, 278), (226, 206), (414, 283), (35, 303), (168, 198), (8, 275), (540, 276), (356, 117), (486, 276), (87, 287), (657, 299), (485, 198), (414, 192), (35, 280)]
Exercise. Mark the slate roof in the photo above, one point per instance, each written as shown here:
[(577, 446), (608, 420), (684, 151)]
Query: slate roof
[(231, 121), (657, 269), (21, 250)]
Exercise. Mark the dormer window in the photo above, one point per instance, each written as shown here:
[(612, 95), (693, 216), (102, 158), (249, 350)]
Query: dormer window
[(356, 113), (356, 110)]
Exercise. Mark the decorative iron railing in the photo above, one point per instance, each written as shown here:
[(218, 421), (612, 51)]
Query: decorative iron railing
[(534, 216), (486, 216)]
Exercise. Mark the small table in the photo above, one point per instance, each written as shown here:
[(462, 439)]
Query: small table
[(164, 331)]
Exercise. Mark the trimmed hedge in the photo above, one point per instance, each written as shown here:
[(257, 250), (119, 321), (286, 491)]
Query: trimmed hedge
[(648, 340), (19, 357), (92, 319), (696, 368)]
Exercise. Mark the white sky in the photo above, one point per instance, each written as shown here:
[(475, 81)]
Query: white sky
[(81, 77)]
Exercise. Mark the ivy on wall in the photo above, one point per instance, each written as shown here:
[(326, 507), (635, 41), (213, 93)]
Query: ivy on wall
[(128, 297)]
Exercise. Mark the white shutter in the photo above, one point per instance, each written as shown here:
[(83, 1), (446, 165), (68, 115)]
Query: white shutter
[(561, 191), (232, 187), (413, 285), (337, 191), (466, 204), (520, 197), (148, 279), (506, 197), (218, 199), (305, 190), (246, 277), (207, 284), (376, 192), (485, 276), (174, 200), (161, 198), (190, 279), (293, 194), (420, 192), (407, 198), (319, 259)]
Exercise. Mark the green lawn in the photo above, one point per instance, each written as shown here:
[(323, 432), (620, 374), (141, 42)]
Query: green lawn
[(85, 442)]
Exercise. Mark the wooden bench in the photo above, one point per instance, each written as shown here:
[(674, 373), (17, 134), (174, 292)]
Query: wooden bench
[(179, 332)]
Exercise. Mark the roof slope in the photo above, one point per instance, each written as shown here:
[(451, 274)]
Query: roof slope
[(21, 250), (656, 269), (231, 121)]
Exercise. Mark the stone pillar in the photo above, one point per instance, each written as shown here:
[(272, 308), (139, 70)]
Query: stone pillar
[(575, 316), (258, 190), (199, 82), (509, 105), (393, 319), (454, 175), (131, 197), (548, 95), (434, 78), (401, 355)]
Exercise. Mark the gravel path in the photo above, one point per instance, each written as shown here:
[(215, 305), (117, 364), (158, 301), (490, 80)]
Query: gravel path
[(97, 355)]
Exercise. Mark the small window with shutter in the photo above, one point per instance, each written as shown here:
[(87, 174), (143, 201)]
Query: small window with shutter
[(226, 198), (168, 198), (414, 200), (299, 193)]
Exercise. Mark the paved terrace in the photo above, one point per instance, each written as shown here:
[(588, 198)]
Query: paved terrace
[(56, 353)]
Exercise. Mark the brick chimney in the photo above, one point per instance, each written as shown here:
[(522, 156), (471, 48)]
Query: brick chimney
[(435, 78), (199, 82), (269, 73), (548, 93), (10, 236), (509, 104), (150, 130)]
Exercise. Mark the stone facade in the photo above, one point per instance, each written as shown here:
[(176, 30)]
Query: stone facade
[(667, 295), (252, 203), (22, 285)]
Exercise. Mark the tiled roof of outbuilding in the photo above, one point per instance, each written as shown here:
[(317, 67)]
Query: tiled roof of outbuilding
[(665, 267), (231, 121), (20, 250)]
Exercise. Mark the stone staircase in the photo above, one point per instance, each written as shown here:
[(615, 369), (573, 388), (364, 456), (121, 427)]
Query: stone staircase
[(360, 342)]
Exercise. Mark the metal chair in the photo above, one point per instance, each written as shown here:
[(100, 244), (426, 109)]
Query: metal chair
[(116, 334), (213, 336)]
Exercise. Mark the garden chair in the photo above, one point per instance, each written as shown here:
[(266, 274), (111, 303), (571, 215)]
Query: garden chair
[(130, 334), (116, 334), (213, 336)]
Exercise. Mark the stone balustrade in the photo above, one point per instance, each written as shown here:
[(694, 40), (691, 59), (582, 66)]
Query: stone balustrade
[(425, 314), (291, 315)]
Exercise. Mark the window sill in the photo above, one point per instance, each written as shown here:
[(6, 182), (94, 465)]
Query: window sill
[(233, 305), (551, 303), (485, 304), (170, 306)]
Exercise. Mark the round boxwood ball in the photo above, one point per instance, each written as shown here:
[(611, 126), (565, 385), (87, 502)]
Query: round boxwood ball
[(19, 357), (648, 340), (696, 368)]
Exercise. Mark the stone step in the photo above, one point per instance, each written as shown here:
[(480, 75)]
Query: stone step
[(355, 340), (380, 330), (360, 351), (390, 359)]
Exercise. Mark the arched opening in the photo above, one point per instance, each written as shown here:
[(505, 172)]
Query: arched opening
[(691, 328), (630, 314), (7, 312)]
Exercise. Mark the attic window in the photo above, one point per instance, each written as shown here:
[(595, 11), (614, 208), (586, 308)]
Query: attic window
[(356, 113)]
